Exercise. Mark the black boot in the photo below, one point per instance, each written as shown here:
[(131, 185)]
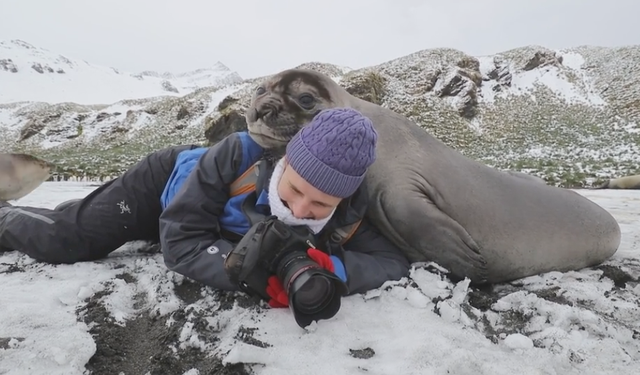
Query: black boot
[(4, 204)]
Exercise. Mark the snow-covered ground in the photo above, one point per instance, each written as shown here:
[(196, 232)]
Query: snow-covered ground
[(582, 322)]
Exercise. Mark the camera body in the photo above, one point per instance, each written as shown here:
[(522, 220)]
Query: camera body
[(272, 247)]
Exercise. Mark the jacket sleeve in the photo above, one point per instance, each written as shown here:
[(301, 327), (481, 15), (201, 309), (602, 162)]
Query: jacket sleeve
[(370, 260), (189, 228)]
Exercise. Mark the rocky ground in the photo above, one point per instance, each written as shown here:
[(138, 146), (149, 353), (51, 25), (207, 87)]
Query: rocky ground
[(152, 343), (148, 344), (193, 336)]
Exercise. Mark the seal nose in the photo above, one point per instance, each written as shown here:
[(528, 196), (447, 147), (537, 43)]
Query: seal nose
[(265, 111)]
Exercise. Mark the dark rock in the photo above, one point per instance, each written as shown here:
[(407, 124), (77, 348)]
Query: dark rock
[(81, 117), (369, 86), (183, 112), (365, 353), (543, 58), (501, 74), (8, 65), (4, 341), (38, 68), (102, 116), (431, 77), (36, 125), (469, 63), (31, 128), (216, 128), (226, 102), (461, 83), (167, 86)]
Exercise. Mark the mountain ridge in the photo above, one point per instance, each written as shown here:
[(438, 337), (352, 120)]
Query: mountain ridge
[(569, 116), (29, 73)]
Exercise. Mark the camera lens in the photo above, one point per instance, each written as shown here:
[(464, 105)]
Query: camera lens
[(314, 295), (310, 289)]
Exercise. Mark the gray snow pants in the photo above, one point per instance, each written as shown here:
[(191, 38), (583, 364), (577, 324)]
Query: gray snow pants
[(124, 209)]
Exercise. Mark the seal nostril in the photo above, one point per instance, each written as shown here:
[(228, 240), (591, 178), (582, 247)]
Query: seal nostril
[(263, 112), (266, 110)]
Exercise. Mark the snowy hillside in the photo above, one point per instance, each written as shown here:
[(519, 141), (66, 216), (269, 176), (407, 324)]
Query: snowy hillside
[(570, 116), (29, 73)]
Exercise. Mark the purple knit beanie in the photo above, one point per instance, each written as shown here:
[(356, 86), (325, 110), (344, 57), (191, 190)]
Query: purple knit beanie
[(334, 151)]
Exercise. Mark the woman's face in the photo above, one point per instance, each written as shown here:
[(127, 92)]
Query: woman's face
[(304, 200)]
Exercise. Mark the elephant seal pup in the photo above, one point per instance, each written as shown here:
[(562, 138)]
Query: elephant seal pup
[(627, 182), (20, 174), (438, 205)]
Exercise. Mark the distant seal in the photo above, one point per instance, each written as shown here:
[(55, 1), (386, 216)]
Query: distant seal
[(20, 174), (438, 205), (627, 182)]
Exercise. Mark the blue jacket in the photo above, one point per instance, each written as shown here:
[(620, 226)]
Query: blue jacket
[(199, 215)]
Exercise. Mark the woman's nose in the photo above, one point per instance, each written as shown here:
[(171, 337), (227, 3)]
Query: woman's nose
[(300, 210)]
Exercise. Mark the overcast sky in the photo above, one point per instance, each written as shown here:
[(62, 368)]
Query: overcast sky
[(259, 37)]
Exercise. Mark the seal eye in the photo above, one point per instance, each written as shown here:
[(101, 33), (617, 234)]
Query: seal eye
[(260, 90), (306, 101)]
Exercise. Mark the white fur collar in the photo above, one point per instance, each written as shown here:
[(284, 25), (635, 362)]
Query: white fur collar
[(281, 211)]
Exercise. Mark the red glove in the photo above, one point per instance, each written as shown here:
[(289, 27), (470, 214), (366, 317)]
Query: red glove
[(329, 262), (275, 290), (321, 258)]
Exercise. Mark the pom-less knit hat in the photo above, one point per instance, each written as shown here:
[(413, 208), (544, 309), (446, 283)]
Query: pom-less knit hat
[(334, 151)]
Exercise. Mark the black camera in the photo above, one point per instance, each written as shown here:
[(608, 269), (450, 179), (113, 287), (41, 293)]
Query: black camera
[(272, 247)]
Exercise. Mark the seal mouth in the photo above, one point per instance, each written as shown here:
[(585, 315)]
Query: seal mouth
[(266, 137), (280, 130), (269, 137)]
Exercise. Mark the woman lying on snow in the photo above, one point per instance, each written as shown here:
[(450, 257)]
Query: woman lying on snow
[(291, 233)]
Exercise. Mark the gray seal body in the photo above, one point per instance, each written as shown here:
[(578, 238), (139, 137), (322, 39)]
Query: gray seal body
[(437, 204), (626, 182)]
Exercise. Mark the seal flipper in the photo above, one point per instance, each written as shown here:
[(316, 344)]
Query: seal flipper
[(425, 233)]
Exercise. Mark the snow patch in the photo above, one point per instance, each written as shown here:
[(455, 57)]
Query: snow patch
[(570, 82), (553, 78), (215, 98), (45, 76), (572, 60)]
